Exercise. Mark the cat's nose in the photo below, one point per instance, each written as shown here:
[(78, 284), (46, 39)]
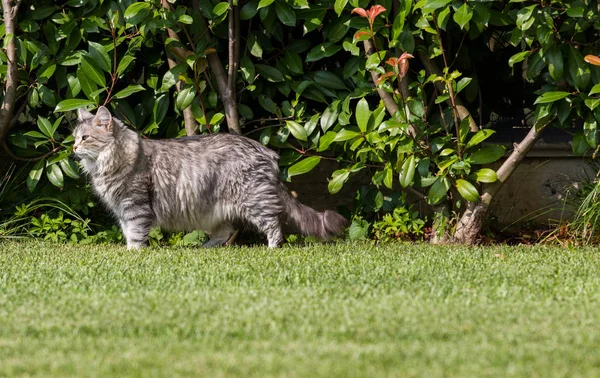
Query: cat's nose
[(75, 148)]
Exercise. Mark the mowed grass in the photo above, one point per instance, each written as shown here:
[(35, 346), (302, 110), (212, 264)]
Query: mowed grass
[(343, 310)]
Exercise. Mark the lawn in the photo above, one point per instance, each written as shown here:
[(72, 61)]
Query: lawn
[(337, 310)]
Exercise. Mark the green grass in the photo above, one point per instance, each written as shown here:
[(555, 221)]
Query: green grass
[(340, 310)]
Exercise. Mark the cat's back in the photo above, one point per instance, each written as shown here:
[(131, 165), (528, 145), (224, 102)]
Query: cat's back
[(214, 146)]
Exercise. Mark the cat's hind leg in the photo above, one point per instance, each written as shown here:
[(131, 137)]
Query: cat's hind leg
[(271, 227), (220, 236)]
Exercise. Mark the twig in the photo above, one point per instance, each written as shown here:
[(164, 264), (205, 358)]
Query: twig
[(114, 73), (29, 160)]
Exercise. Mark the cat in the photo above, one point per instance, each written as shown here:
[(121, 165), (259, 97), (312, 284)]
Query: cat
[(208, 182)]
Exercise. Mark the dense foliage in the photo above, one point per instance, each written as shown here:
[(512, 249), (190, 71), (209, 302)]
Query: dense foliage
[(410, 91)]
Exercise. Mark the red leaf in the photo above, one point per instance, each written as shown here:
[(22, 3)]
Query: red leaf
[(403, 63), (392, 62), (592, 59), (384, 77), (375, 11), (360, 33), (361, 12)]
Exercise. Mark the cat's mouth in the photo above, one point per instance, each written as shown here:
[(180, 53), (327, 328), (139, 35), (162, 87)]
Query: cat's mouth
[(75, 156)]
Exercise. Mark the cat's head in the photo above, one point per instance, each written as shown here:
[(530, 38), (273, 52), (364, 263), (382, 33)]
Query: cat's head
[(94, 133)]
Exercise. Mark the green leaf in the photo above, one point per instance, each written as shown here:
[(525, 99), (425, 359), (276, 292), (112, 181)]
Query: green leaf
[(486, 175), (407, 172), (137, 12), (131, 89), (297, 130), (524, 17), (124, 63), (47, 96), (87, 86), (264, 3), (590, 130), (272, 74), (467, 190), (579, 70), (339, 6), (249, 10), (285, 14), (304, 166), (388, 176), (72, 104), (34, 175), (551, 97), (92, 71), (45, 72), (438, 190), (99, 55), (268, 104), (463, 15), (69, 168), (160, 108), (55, 175), (555, 62), (595, 89), (359, 230), (220, 9), (345, 134), (247, 69), (326, 140), (580, 145), (462, 84), (185, 97), (311, 124), (433, 5), (362, 114), (292, 62), (185, 19), (330, 115), (45, 127), (479, 137), (487, 154), (518, 57), (329, 80), (535, 65), (324, 50), (337, 181)]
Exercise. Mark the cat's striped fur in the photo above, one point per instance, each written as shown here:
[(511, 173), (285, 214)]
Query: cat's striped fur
[(211, 183)]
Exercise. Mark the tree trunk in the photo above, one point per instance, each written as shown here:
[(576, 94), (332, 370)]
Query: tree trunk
[(471, 222), (9, 9)]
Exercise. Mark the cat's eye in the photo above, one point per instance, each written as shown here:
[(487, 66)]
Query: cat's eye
[(84, 137)]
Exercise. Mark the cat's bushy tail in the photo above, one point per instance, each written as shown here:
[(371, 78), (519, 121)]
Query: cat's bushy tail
[(309, 222)]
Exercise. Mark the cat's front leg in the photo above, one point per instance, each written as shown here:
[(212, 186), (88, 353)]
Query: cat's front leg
[(136, 228)]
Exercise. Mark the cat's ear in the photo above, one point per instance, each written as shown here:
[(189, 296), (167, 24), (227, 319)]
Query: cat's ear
[(83, 114), (103, 119)]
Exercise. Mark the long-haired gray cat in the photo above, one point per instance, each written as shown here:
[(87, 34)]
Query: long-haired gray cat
[(209, 183)]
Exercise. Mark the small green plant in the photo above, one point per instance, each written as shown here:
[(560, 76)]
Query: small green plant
[(586, 219), (60, 228), (384, 217), (401, 224)]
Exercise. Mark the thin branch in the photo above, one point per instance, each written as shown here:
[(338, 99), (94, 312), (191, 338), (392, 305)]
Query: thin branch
[(228, 96), (29, 160), (432, 68), (191, 126), (114, 72), (388, 100)]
